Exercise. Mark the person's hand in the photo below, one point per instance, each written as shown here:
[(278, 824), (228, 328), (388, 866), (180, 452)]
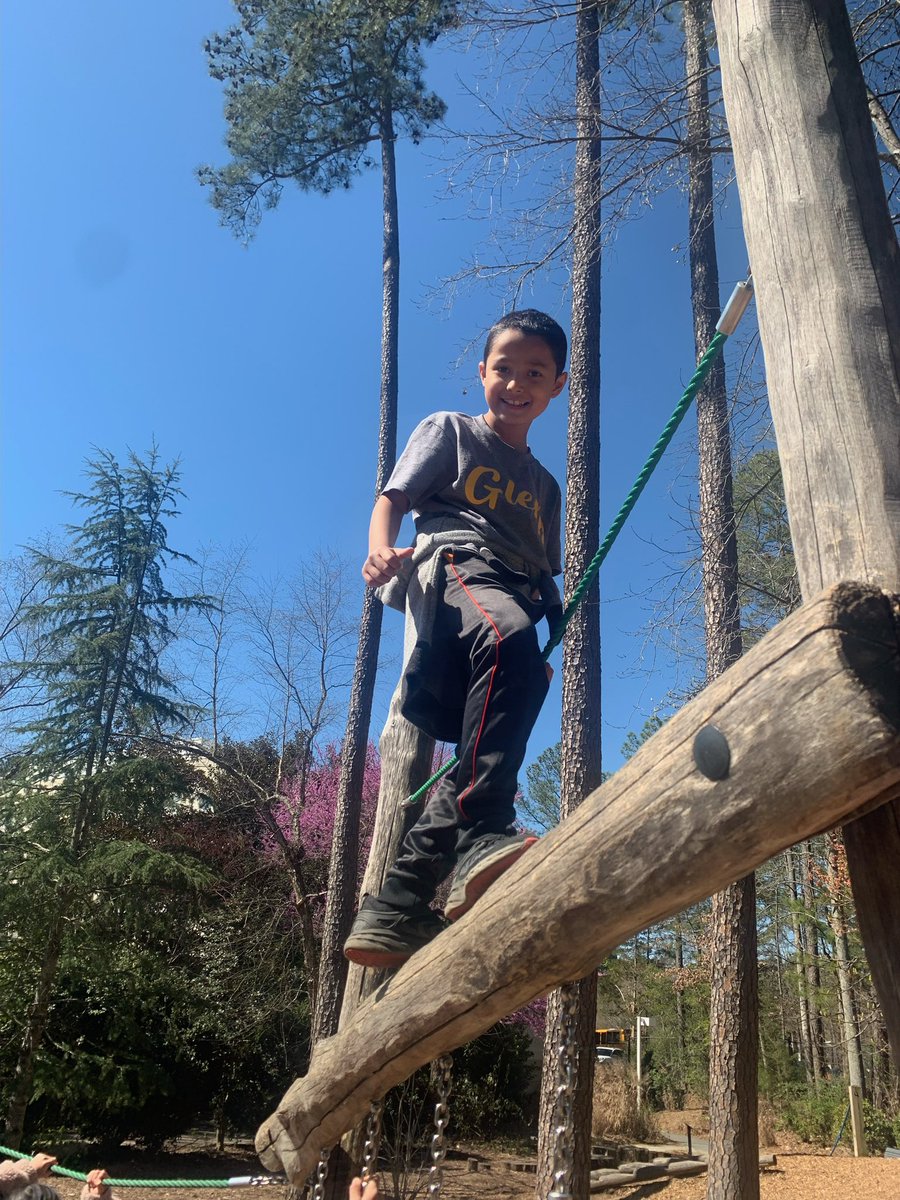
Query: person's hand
[(358, 1191), (383, 564), (43, 1163), (96, 1182)]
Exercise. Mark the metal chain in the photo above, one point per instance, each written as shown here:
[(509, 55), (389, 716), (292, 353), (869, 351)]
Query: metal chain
[(566, 1064), (318, 1192), (442, 1070), (373, 1135)]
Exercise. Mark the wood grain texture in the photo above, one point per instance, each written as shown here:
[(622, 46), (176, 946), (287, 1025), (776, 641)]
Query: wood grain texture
[(826, 267), (812, 716)]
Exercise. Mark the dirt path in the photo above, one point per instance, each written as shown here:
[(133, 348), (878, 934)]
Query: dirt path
[(798, 1175)]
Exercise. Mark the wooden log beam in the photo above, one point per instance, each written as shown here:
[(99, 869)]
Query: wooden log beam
[(826, 268), (812, 719)]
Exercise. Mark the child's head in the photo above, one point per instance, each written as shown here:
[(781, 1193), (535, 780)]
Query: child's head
[(522, 372), (533, 323)]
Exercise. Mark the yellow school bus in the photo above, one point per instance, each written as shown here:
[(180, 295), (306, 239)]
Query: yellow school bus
[(612, 1037)]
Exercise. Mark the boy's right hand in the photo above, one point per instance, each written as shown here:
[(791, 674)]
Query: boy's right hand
[(43, 1163), (383, 564)]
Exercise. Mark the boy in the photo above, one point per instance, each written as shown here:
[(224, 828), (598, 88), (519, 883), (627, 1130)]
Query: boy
[(479, 577)]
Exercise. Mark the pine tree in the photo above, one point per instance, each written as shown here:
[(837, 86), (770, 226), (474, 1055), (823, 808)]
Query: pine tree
[(310, 89), (77, 768), (734, 1034), (571, 1009)]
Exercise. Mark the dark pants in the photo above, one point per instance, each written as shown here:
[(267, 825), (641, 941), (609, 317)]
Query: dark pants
[(484, 663)]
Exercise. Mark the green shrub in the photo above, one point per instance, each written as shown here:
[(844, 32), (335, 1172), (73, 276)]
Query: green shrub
[(815, 1116), (495, 1090), (878, 1127)]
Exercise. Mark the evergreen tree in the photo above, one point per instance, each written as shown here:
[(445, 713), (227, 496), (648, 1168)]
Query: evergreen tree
[(571, 1009), (540, 804), (76, 787), (734, 1017), (310, 88)]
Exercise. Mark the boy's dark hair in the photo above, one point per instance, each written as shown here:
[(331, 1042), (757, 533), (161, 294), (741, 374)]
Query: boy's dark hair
[(536, 324)]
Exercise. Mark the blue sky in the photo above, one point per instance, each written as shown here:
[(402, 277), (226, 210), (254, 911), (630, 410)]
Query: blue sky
[(130, 315)]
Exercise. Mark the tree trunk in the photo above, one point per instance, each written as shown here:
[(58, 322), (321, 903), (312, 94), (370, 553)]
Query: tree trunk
[(826, 266), (779, 963), (849, 1022), (810, 939), (733, 1134), (344, 862), (734, 1027), (580, 750), (886, 130), (406, 762), (806, 1037), (680, 1087)]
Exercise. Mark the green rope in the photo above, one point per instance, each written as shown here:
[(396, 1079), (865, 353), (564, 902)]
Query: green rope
[(703, 368), (147, 1183)]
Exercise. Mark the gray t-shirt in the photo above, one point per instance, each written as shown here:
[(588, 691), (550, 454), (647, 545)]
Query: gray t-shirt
[(455, 466)]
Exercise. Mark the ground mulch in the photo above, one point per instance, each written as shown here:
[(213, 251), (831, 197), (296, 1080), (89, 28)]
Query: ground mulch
[(799, 1174)]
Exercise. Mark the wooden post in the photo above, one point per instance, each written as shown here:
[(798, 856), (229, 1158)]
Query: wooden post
[(860, 1149), (406, 761), (826, 267), (811, 718)]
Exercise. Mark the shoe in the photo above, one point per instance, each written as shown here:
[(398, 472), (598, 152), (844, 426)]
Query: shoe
[(486, 861), (385, 937)]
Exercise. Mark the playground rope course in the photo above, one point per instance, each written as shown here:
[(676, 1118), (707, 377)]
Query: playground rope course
[(734, 310), (234, 1181), (728, 322)]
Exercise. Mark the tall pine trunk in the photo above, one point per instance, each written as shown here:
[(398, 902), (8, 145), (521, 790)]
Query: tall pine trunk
[(344, 862), (580, 763), (851, 1038), (810, 1062), (734, 1044), (809, 936)]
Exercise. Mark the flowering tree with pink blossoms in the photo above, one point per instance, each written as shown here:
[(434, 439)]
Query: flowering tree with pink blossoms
[(305, 813)]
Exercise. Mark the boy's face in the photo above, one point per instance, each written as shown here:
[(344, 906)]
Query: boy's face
[(520, 380)]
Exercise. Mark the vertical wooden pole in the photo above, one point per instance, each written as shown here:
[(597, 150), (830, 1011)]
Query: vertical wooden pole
[(860, 1149), (826, 267)]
